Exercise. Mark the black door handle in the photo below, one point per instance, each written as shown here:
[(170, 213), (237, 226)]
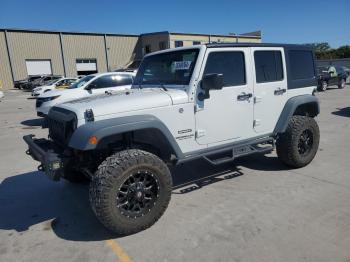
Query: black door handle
[(244, 96), (280, 91)]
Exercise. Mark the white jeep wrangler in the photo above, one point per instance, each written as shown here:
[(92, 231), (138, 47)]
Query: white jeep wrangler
[(215, 101)]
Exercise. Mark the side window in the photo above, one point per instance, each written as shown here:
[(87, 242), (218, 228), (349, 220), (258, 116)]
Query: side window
[(196, 42), (301, 64), (112, 81), (268, 66), (230, 64)]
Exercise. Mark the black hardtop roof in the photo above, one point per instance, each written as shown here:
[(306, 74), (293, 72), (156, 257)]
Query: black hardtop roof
[(288, 46)]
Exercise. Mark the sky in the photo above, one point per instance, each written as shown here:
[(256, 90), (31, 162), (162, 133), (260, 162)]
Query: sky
[(281, 21)]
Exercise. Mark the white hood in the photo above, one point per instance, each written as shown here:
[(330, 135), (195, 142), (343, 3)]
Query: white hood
[(54, 92), (125, 101)]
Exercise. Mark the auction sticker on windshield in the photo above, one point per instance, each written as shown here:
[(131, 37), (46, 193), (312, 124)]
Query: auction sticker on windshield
[(182, 65)]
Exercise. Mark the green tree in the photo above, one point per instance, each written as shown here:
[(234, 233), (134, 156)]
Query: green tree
[(324, 51)]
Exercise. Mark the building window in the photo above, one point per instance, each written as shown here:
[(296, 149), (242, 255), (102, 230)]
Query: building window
[(268, 66), (179, 43), (148, 49), (162, 45), (196, 42), (230, 64)]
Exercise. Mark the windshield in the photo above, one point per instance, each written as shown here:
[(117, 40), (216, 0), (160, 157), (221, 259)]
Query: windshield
[(51, 82), (81, 82), (134, 64), (172, 68)]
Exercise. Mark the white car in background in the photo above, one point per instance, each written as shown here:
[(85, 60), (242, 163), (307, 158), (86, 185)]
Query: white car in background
[(1, 95), (90, 85), (54, 84)]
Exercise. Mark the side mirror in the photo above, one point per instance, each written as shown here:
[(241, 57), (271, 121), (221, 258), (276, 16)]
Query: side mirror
[(91, 86), (210, 82)]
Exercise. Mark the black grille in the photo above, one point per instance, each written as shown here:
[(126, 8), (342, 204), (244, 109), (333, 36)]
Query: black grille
[(61, 124)]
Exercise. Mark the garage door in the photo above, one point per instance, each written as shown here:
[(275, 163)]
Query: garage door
[(38, 67), (86, 66)]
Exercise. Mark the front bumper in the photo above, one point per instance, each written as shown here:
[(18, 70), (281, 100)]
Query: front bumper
[(48, 154)]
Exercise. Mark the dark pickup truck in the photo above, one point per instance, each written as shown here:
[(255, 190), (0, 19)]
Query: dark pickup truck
[(331, 75)]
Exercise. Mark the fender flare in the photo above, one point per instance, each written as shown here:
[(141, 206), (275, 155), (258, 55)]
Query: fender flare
[(290, 108), (105, 128)]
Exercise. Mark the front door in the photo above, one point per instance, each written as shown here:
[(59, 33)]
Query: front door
[(270, 87), (226, 116)]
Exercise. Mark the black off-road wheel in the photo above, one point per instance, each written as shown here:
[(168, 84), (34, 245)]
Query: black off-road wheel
[(342, 83), (324, 86), (130, 191), (298, 145)]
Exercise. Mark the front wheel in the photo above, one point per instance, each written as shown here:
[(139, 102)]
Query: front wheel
[(298, 145), (130, 191), (323, 86)]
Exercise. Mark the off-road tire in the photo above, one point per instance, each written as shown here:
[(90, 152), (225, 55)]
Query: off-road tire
[(108, 180), (323, 87), (287, 144), (342, 83)]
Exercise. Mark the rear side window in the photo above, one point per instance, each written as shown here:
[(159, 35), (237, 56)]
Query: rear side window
[(112, 81), (268, 66), (230, 64), (301, 64)]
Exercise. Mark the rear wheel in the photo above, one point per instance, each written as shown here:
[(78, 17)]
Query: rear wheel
[(130, 191), (342, 83), (298, 145)]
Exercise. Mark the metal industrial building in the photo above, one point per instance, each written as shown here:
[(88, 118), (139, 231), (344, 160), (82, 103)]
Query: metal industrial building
[(29, 52)]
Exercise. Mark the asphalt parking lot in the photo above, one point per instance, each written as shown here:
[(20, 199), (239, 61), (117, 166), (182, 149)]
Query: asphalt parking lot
[(252, 210)]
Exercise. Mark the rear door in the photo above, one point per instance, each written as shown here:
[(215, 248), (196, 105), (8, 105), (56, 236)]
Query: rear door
[(270, 87)]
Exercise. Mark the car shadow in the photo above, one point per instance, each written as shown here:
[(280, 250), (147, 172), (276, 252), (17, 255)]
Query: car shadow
[(197, 174), (33, 122), (32, 200), (261, 162), (345, 112)]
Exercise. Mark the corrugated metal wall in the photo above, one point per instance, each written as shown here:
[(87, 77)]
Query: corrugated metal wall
[(5, 70), (28, 45), (121, 50), (83, 47)]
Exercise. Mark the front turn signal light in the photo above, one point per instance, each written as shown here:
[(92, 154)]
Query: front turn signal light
[(93, 140)]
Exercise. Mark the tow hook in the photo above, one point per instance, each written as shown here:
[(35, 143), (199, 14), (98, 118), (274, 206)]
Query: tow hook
[(40, 168)]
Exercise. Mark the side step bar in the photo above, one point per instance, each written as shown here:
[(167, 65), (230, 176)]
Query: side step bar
[(223, 156)]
